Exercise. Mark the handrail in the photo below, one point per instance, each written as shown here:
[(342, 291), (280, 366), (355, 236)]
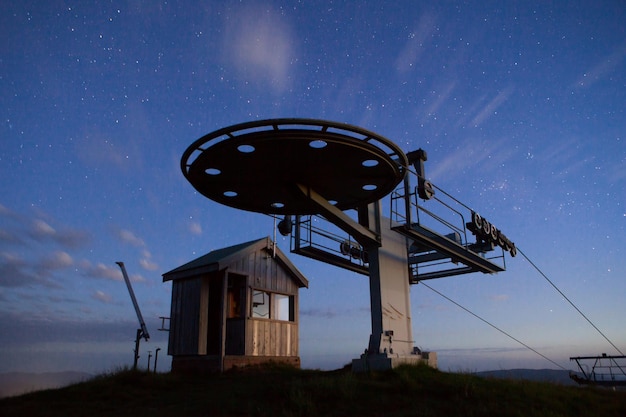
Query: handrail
[(307, 224), (462, 231)]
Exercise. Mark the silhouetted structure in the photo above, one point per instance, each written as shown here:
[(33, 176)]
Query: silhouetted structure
[(604, 370), (323, 172), (235, 306)]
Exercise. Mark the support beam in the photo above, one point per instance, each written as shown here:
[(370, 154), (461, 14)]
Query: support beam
[(363, 235), (448, 247), (376, 302)]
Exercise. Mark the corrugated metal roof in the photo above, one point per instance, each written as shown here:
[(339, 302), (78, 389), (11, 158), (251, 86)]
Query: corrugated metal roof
[(210, 261), (221, 258)]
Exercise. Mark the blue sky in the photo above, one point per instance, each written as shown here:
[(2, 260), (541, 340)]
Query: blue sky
[(520, 106)]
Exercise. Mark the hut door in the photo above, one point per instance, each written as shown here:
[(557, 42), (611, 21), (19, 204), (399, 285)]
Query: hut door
[(214, 317), (235, 314)]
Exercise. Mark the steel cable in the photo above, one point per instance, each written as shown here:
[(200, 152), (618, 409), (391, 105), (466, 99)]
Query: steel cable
[(569, 301), (494, 326)]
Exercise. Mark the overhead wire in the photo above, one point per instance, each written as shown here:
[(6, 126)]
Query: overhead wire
[(474, 314), (408, 168), (493, 325), (569, 301), (542, 274)]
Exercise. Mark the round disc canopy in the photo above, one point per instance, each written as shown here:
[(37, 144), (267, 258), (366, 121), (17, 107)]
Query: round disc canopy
[(262, 166)]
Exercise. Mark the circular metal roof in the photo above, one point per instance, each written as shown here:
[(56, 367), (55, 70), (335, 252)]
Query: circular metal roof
[(257, 166)]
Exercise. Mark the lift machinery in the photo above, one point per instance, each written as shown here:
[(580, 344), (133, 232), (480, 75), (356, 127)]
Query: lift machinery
[(328, 181)]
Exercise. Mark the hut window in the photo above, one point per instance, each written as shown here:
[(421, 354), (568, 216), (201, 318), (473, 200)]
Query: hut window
[(284, 307), (260, 304)]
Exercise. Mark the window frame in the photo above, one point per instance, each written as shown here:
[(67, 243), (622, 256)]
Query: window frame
[(275, 300), (253, 308)]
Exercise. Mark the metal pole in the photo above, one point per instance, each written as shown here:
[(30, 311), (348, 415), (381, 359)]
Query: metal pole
[(149, 357), (142, 323), (156, 358), (137, 340)]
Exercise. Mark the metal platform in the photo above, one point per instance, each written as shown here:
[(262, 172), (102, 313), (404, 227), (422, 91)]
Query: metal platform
[(442, 247), (439, 234), (316, 238), (264, 166), (603, 370)]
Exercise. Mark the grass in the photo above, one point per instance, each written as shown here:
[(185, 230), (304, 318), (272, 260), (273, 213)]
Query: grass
[(282, 391)]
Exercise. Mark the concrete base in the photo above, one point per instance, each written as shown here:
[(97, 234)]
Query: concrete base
[(383, 362)]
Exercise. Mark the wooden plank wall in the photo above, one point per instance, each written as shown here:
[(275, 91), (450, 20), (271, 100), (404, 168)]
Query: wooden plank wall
[(265, 273), (184, 322), (271, 338), (262, 337), (235, 339), (203, 314)]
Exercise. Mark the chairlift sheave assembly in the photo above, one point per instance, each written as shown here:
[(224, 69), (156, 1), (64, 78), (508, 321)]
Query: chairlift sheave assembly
[(331, 177)]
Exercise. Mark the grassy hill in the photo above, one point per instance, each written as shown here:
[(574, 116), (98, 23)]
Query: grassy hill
[(277, 391), (556, 376), (16, 383)]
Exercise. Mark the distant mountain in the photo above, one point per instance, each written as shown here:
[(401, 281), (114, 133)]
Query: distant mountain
[(543, 375), (16, 383)]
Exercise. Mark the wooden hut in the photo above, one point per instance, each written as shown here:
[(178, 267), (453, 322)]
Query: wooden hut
[(235, 306)]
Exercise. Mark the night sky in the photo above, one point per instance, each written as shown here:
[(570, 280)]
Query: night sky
[(519, 104)]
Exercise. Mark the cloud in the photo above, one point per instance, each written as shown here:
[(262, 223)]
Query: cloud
[(14, 272), (137, 278), (146, 262), (416, 43), (109, 272), (41, 228), (25, 230), (491, 107), (38, 262), (441, 97), (126, 236), (601, 69), (66, 237), (499, 297), (58, 260), (318, 312), (329, 313), (102, 297), (97, 150), (563, 159), (195, 228), (486, 154), (42, 344), (148, 265), (101, 271), (10, 238), (71, 238), (18, 329), (616, 173), (112, 272), (17, 272), (258, 43), (488, 350)]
